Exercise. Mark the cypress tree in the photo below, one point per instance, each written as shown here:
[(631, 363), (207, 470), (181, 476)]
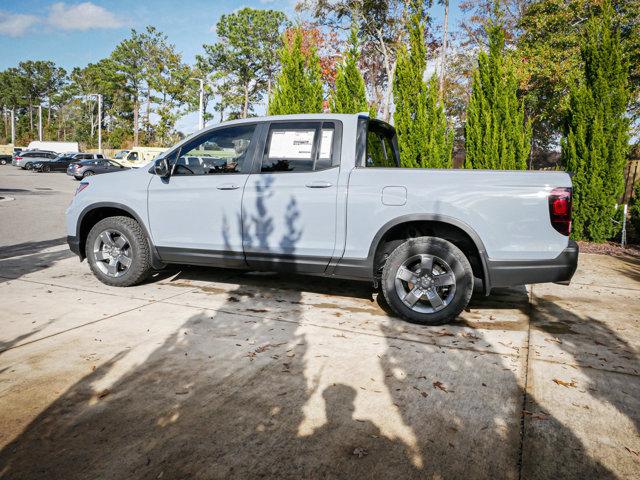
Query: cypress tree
[(424, 140), (596, 131), (496, 135), (349, 95), (298, 87)]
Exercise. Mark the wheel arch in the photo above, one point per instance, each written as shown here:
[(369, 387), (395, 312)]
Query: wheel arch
[(93, 213), (442, 226)]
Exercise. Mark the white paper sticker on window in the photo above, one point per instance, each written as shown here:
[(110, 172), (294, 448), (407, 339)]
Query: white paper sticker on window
[(294, 144), (325, 144)]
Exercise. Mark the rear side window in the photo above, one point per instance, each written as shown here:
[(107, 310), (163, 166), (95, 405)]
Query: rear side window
[(381, 146), (299, 147)]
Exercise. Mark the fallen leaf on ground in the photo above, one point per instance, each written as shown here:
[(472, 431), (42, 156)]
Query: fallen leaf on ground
[(632, 451), (537, 416), (572, 383), (553, 339), (104, 393), (360, 452), (440, 386), (444, 333)]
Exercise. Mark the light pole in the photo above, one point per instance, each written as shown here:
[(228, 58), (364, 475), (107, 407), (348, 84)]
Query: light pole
[(13, 127), (201, 107), (40, 122), (99, 96)]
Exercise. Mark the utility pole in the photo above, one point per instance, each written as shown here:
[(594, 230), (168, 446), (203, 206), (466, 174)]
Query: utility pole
[(99, 97), (201, 107), (99, 123), (40, 122), (13, 127)]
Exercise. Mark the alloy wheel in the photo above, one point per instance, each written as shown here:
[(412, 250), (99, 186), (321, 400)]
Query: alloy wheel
[(425, 283), (113, 253)]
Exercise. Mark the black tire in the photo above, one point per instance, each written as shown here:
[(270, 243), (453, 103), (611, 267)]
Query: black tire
[(77, 178), (140, 267), (46, 168), (28, 166), (3, 162), (88, 173), (460, 269)]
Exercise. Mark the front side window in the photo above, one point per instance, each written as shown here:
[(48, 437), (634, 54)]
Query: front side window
[(222, 151), (299, 148)]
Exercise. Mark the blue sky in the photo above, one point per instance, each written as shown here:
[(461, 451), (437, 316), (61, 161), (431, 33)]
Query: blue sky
[(75, 33)]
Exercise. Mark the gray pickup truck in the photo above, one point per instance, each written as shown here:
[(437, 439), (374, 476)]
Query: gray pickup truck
[(324, 195)]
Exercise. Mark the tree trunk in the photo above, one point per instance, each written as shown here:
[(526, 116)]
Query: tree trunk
[(136, 113), (245, 107), (268, 90), (391, 73), (443, 54), (30, 118)]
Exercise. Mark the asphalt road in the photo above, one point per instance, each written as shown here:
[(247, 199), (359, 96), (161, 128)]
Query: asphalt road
[(204, 373)]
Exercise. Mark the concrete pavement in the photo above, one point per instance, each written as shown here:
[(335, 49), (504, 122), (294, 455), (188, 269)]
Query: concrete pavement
[(215, 374)]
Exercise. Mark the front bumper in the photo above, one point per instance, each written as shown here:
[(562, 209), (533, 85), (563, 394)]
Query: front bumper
[(557, 270)]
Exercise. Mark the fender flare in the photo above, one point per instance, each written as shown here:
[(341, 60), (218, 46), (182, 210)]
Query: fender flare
[(434, 217), (155, 258)]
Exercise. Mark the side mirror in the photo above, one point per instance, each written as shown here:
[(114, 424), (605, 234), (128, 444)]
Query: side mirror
[(161, 168)]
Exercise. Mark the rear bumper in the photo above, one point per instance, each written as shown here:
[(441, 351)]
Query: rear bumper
[(557, 270), (74, 246)]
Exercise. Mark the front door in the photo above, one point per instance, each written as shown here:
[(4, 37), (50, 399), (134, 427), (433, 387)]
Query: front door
[(289, 203), (195, 214)]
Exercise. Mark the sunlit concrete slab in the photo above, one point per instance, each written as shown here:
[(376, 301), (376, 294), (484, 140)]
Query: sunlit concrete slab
[(580, 423)]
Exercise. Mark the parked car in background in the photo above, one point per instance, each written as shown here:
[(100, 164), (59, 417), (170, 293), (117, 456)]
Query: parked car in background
[(58, 164), (86, 168), (4, 159), (25, 160)]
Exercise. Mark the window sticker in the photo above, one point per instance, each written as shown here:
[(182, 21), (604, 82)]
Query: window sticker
[(294, 144), (325, 144)]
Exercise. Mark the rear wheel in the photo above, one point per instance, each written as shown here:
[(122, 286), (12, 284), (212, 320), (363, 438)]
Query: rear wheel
[(46, 168), (118, 252), (28, 166), (427, 280), (88, 173)]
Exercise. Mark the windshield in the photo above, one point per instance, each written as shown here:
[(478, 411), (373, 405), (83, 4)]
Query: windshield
[(121, 154)]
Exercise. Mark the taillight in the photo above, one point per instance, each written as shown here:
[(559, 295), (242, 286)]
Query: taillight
[(18, 159), (560, 210), (81, 187)]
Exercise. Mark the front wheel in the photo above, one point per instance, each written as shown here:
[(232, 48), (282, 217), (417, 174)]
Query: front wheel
[(118, 252), (28, 166), (88, 173), (427, 280), (46, 168)]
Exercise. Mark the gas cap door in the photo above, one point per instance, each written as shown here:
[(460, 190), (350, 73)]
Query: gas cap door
[(394, 195)]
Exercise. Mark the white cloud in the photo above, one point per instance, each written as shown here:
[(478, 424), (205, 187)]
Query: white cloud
[(16, 24), (82, 16)]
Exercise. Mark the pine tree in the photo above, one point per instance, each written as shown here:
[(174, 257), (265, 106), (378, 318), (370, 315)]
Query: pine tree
[(596, 132), (298, 88), (349, 95), (496, 134), (424, 140)]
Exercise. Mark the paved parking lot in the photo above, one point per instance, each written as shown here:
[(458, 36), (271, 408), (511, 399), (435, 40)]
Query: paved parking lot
[(222, 374)]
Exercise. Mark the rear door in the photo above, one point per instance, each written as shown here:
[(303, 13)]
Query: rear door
[(195, 215), (289, 203)]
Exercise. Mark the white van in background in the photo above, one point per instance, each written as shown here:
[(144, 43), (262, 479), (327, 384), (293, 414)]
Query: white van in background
[(137, 156), (58, 147)]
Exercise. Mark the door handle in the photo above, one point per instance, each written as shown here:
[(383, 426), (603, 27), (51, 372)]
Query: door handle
[(228, 186), (319, 184)]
